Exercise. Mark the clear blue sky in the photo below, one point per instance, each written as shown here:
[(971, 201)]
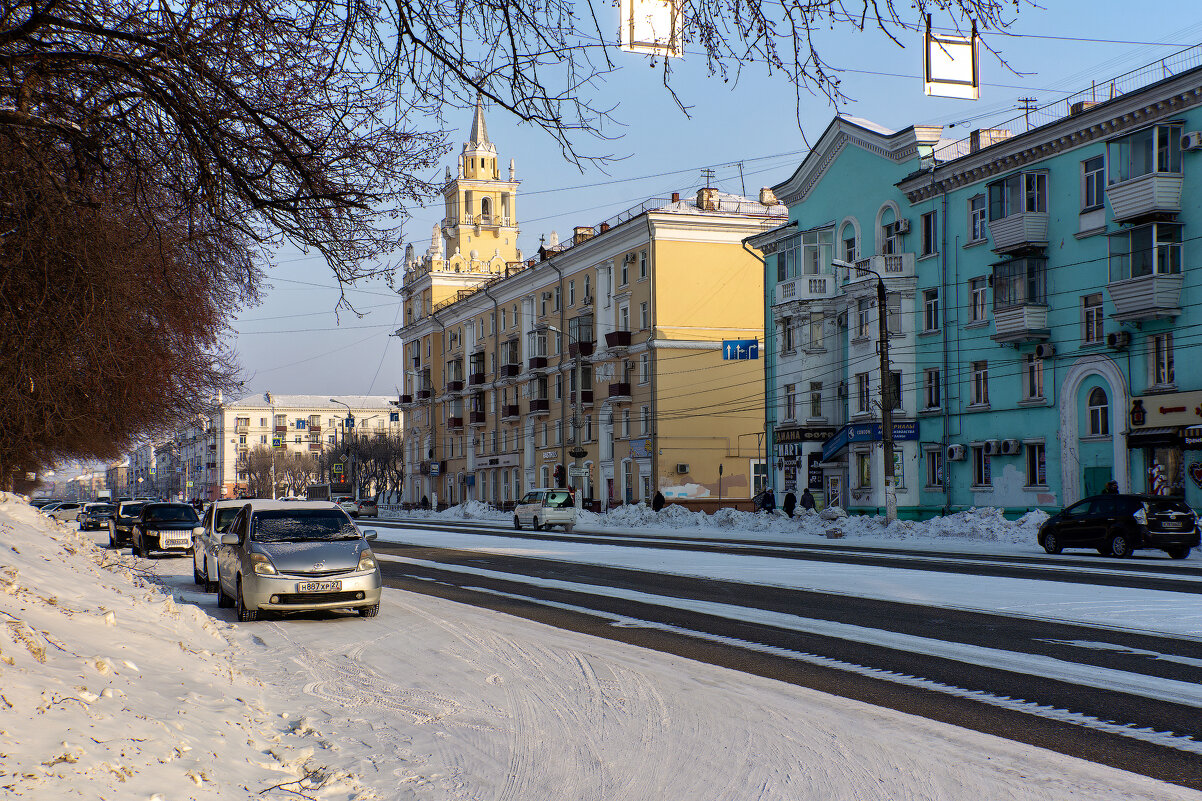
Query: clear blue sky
[(293, 342)]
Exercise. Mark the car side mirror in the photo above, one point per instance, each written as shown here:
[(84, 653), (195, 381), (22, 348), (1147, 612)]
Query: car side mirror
[(229, 538), (370, 534)]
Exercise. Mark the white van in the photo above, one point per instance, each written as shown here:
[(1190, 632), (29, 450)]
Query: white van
[(543, 508)]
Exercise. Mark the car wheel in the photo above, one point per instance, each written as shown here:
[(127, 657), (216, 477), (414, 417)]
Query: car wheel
[(1177, 551), (1118, 546), (245, 615), (369, 611), (535, 525), (112, 541), (567, 528), (197, 579), (210, 585), (223, 600), (517, 523), (1051, 544)]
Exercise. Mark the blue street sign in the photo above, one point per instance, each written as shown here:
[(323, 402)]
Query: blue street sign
[(740, 349), (277, 442), (394, 417)]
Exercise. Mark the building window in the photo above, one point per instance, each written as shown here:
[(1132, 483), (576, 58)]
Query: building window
[(816, 338), (863, 307), (558, 298), (262, 439), (980, 383), (863, 469), (624, 273), (1092, 319), (816, 399), (1162, 359), (979, 299), (930, 310), (571, 296), (976, 218), (1155, 149), (933, 387), (851, 250), (1037, 465), (786, 335), (1020, 282), (644, 316), (790, 401), (644, 369), (930, 233), (893, 317), (646, 420), (808, 253), (934, 468), (1099, 413), (895, 388), (1033, 378), (1023, 192), (1146, 250), (980, 467), (1093, 186), (891, 239), (642, 264), (626, 423), (863, 390)]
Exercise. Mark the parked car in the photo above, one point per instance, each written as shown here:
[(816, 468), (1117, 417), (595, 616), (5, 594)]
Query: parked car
[(207, 541), (366, 507), (165, 527), (121, 524), (50, 507), (41, 503), (291, 556), (95, 516), (67, 510), (1117, 525), (543, 508), (346, 502)]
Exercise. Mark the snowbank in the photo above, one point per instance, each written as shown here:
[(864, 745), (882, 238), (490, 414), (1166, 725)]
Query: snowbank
[(109, 688)]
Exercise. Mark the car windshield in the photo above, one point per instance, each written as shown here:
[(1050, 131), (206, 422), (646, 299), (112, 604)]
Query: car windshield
[(532, 497), (171, 514), (303, 525), (100, 509), (1159, 507), (131, 509), (225, 517), (558, 499)]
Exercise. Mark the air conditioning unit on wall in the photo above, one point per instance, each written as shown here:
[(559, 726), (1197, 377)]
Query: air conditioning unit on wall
[(1118, 340), (682, 468), (1010, 447), (903, 226), (956, 453), (1191, 141), (992, 447), (1045, 350)]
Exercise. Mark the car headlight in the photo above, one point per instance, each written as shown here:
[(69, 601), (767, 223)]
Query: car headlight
[(1141, 516), (198, 530), (262, 565), (367, 561)]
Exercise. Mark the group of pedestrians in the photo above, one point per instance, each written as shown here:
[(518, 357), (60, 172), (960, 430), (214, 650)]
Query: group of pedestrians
[(768, 501)]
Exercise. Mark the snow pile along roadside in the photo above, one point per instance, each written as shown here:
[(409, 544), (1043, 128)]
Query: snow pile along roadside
[(110, 689)]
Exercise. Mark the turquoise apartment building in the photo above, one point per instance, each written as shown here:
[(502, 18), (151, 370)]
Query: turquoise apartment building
[(1043, 310)]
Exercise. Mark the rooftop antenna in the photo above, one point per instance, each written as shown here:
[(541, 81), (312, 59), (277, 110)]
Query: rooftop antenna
[(1028, 105), (708, 175)]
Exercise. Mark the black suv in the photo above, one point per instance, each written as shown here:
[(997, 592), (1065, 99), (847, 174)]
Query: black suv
[(1118, 524)]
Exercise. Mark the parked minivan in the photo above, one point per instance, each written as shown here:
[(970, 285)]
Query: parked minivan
[(543, 508)]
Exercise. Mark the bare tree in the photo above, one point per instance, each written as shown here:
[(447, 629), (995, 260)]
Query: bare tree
[(299, 470), (259, 463)]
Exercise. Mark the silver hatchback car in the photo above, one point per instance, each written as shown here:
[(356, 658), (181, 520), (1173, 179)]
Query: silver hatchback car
[(290, 556)]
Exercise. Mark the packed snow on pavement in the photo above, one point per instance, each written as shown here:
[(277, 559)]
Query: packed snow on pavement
[(119, 680)]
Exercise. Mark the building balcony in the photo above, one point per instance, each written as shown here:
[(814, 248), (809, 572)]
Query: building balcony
[(406, 400), (586, 397), (475, 379), (455, 386), (1026, 229), (540, 406), (314, 429), (581, 348), (900, 265), (477, 418), (511, 370), (424, 394), (620, 391), (617, 339), (805, 287), (511, 411), (1148, 297), (538, 362), (242, 428), (1023, 323), (455, 423), (1156, 194), (315, 446)]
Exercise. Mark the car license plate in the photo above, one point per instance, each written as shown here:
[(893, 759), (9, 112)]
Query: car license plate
[(1174, 524), (318, 586)]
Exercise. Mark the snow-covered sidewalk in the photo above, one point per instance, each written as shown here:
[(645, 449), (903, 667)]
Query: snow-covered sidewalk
[(118, 680)]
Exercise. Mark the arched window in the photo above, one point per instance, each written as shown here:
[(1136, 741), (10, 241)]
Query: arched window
[(1099, 413), (485, 208), (849, 244)]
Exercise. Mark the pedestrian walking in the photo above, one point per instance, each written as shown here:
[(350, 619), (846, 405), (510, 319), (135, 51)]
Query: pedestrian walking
[(807, 500)]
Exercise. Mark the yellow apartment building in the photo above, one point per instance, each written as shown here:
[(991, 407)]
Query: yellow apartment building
[(596, 363)]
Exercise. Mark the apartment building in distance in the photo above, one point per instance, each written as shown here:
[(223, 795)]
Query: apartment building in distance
[(598, 363)]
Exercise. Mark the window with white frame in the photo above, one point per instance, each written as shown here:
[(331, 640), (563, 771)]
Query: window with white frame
[(976, 218), (1154, 149), (1162, 358), (934, 467), (626, 423), (644, 316), (645, 427), (863, 464), (933, 387), (1092, 320), (891, 239), (558, 298), (642, 264), (571, 293), (851, 249), (863, 392), (1146, 250), (930, 309), (980, 384), (624, 272), (1098, 409), (816, 399), (559, 432), (1033, 377), (1022, 192), (816, 335), (623, 318), (864, 317), (980, 467), (929, 224), (807, 253), (786, 335), (644, 368), (895, 388), (893, 317), (1093, 183), (588, 286), (980, 308), (1037, 464), (790, 401)]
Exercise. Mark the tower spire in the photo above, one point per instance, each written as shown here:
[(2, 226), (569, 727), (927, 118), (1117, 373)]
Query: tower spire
[(479, 134)]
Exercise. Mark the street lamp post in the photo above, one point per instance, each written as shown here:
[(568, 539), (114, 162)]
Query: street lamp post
[(887, 399), (576, 414), (349, 420)]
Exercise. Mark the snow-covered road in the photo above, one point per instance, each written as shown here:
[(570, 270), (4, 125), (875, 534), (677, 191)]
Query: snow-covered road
[(431, 700)]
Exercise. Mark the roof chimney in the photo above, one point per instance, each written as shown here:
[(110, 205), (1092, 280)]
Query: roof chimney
[(707, 198), (675, 197), (581, 233), (984, 137), (767, 197)]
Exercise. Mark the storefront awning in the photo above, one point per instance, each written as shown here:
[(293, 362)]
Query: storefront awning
[(1152, 437)]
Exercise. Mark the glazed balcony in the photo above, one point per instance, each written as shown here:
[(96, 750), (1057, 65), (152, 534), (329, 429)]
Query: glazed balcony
[(406, 400), (1152, 195), (424, 394)]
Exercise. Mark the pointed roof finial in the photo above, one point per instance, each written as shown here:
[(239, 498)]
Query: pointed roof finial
[(479, 130)]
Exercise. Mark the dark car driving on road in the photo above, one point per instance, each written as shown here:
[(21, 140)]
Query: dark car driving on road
[(121, 524), (95, 516), (1116, 525), (165, 527)]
